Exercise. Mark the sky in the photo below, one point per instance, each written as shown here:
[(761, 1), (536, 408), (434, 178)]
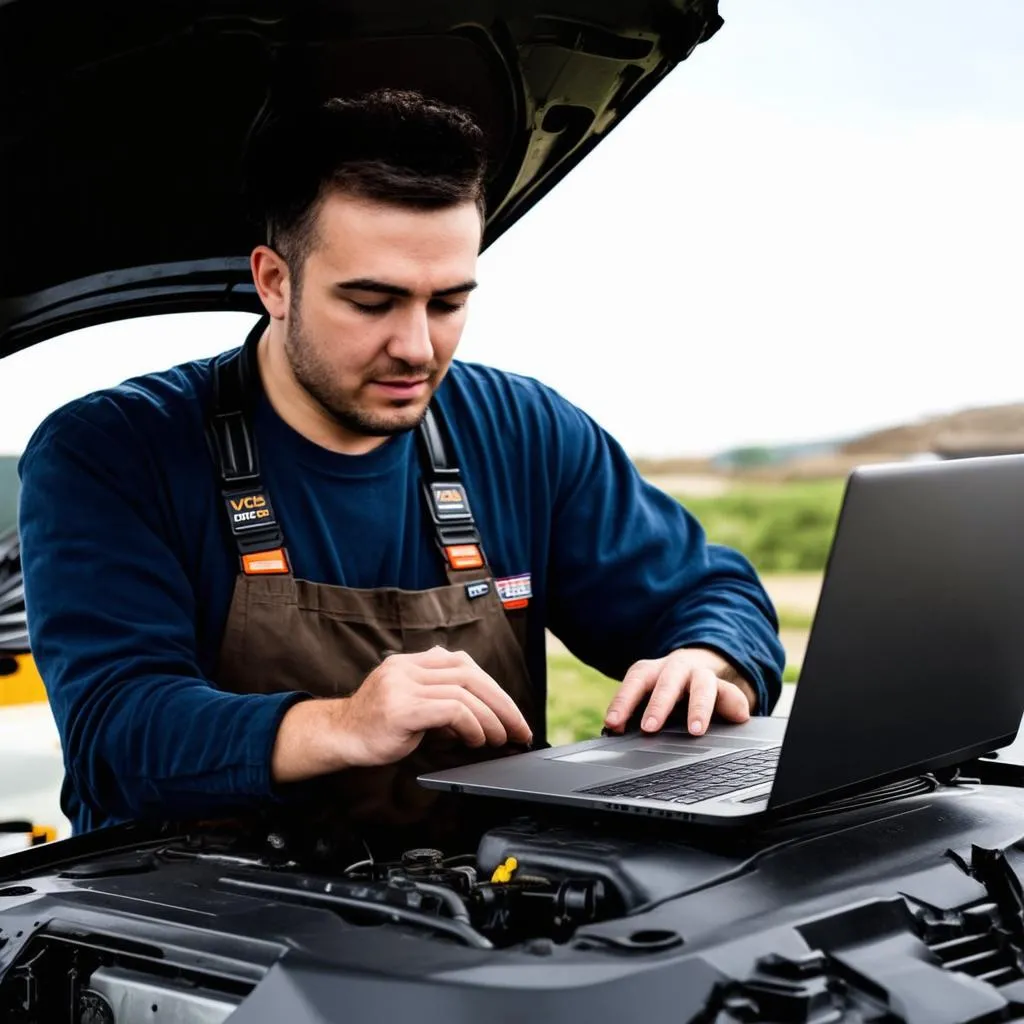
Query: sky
[(813, 228)]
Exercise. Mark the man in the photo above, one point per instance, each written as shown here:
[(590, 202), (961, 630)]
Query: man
[(248, 573)]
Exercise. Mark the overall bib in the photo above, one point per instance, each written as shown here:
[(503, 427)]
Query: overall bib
[(286, 633)]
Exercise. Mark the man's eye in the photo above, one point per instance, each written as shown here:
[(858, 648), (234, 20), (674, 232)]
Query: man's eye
[(446, 307), (372, 307)]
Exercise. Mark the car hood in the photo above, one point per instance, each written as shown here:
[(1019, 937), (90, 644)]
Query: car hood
[(122, 126)]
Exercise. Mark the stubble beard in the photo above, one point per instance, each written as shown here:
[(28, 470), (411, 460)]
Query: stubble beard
[(316, 379)]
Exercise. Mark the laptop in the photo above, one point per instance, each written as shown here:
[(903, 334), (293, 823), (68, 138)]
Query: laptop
[(915, 662)]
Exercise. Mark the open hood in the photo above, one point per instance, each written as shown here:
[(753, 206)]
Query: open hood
[(122, 127)]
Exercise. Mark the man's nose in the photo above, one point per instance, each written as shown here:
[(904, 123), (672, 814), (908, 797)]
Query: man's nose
[(411, 342)]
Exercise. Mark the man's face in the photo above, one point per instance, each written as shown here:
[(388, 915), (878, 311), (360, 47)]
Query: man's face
[(373, 327)]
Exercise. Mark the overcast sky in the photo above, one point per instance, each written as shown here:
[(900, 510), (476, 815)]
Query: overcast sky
[(814, 227)]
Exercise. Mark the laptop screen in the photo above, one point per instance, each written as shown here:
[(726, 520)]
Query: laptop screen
[(916, 654)]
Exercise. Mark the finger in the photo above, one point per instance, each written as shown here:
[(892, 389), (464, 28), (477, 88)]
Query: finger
[(476, 681), (489, 721), (436, 657), (673, 680), (636, 684), (453, 714), (703, 696), (732, 703)]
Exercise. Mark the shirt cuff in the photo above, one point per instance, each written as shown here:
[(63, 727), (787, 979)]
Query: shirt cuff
[(265, 727)]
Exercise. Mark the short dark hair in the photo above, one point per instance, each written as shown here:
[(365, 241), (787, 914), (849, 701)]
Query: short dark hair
[(389, 145)]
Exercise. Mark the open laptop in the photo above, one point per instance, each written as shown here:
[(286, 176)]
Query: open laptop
[(915, 662)]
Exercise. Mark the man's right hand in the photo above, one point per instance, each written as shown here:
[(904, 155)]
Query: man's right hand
[(386, 718)]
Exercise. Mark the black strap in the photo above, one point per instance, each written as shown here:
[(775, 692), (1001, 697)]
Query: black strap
[(443, 489), (250, 514), (233, 402), (251, 518)]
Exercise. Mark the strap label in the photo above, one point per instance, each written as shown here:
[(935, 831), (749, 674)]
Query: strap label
[(449, 501), (249, 510), (464, 556), (515, 591), (262, 563), (481, 588)]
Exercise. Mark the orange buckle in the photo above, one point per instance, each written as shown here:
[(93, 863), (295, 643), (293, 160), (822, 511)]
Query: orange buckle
[(464, 556), (263, 563)]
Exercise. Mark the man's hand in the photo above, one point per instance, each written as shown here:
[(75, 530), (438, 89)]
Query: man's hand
[(710, 682), (386, 718)]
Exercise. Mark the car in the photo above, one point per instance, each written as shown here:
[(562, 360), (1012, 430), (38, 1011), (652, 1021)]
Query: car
[(13, 626), (30, 758), (123, 126)]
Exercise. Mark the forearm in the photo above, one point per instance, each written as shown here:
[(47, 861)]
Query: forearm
[(162, 747), (310, 741)]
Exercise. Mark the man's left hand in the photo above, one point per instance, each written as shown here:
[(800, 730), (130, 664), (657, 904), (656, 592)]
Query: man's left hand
[(710, 683)]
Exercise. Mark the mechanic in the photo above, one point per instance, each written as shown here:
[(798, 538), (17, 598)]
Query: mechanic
[(331, 554)]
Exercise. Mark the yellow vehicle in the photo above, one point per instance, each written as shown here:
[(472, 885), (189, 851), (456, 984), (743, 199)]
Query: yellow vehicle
[(19, 678)]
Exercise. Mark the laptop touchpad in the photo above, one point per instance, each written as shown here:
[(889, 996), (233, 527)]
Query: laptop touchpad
[(636, 760)]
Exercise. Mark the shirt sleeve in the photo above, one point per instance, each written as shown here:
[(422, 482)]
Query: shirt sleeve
[(632, 574), (112, 618)]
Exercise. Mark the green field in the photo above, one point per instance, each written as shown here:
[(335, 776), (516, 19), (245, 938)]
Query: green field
[(780, 527), (578, 697)]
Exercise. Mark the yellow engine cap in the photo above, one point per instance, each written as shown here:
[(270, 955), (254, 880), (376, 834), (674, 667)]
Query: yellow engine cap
[(504, 872)]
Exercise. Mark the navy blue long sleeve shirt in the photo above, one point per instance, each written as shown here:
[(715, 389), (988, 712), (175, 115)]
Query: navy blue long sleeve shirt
[(129, 569)]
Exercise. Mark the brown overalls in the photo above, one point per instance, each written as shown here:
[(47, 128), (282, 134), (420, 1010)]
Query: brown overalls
[(285, 633)]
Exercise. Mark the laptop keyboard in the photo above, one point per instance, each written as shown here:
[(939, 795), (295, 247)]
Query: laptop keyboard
[(689, 783)]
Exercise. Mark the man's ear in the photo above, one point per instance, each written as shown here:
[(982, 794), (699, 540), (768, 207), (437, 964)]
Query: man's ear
[(272, 279)]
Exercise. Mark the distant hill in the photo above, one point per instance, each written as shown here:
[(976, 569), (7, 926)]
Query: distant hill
[(8, 491), (991, 430), (751, 457)]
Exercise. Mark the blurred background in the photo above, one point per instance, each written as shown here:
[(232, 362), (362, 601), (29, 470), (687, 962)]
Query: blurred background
[(801, 253)]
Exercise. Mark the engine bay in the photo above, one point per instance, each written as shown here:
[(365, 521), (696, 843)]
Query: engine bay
[(66, 974), (805, 922)]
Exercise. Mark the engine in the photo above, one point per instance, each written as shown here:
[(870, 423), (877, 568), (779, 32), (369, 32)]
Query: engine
[(507, 905), (67, 976)]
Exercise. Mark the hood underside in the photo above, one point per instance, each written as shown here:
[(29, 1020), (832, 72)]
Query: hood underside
[(122, 127)]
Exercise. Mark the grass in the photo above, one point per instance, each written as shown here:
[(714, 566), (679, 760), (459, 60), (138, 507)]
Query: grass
[(779, 527), (578, 697), (794, 618)]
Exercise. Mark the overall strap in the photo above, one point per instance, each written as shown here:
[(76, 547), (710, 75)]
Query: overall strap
[(447, 502), (250, 515)]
